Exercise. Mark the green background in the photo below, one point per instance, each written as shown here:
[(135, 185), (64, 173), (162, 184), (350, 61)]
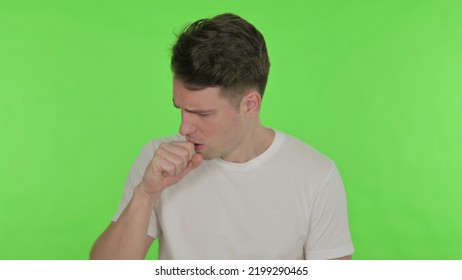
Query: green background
[(375, 85)]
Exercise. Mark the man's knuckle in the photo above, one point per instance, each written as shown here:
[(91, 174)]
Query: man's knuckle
[(184, 153), (177, 161), (169, 167)]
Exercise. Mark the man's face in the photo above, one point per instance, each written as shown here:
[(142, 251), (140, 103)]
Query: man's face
[(209, 121)]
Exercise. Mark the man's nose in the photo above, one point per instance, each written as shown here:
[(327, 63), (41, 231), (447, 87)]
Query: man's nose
[(186, 126)]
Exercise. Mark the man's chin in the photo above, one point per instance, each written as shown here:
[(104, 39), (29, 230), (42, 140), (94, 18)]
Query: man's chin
[(207, 156)]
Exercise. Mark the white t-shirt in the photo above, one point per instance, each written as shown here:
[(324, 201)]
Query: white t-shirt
[(287, 203)]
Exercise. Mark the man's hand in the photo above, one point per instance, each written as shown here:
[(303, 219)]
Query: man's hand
[(171, 163)]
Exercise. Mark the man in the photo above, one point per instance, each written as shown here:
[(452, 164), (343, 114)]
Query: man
[(227, 187)]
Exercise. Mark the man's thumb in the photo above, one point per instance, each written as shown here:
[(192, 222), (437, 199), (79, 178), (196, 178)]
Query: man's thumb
[(196, 160)]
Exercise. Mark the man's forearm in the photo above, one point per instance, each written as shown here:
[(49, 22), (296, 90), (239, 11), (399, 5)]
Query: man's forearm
[(127, 238)]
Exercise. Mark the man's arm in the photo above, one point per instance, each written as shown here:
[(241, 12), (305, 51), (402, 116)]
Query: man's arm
[(127, 238)]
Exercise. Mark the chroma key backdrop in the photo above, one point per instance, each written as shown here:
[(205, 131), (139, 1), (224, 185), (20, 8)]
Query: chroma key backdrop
[(375, 85)]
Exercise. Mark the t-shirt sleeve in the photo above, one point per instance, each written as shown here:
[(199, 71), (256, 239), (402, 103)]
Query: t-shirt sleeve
[(133, 179), (329, 235)]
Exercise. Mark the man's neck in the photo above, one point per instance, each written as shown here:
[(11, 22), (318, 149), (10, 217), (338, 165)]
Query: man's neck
[(253, 145)]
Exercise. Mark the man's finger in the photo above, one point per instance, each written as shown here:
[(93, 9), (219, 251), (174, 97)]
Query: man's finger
[(186, 145), (196, 160), (194, 163)]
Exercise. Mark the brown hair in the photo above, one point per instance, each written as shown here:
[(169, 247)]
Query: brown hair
[(225, 51)]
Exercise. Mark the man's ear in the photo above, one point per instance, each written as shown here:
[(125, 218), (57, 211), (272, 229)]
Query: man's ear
[(250, 104)]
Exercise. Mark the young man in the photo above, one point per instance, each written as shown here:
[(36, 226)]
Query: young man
[(227, 187)]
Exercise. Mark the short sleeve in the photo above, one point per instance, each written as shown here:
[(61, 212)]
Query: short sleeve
[(329, 234)]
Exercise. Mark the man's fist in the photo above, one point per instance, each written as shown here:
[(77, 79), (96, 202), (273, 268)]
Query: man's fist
[(171, 163)]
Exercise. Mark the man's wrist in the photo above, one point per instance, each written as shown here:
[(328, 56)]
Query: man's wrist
[(146, 198)]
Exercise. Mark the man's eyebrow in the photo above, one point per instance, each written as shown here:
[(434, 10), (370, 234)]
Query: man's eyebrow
[(194, 111)]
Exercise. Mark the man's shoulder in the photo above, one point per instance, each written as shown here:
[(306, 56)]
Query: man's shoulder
[(176, 137), (299, 151), (154, 143)]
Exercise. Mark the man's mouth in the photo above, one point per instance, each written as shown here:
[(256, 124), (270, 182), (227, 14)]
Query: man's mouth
[(198, 147)]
